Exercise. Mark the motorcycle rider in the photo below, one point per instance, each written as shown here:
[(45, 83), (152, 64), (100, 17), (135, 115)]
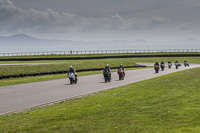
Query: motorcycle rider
[(107, 68), (156, 67), (177, 64), (156, 64), (121, 67), (186, 63), (169, 64), (71, 70), (162, 63)]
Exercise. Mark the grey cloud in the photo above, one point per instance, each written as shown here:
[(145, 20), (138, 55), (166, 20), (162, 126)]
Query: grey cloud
[(157, 21), (183, 26), (98, 16), (49, 20)]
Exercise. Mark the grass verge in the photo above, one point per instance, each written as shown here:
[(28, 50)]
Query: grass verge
[(78, 64), (85, 64), (14, 81), (122, 60), (164, 104)]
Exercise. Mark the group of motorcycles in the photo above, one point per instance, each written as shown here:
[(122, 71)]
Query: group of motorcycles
[(106, 73), (162, 65)]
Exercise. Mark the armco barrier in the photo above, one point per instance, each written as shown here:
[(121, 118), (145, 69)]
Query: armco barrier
[(92, 52), (57, 72)]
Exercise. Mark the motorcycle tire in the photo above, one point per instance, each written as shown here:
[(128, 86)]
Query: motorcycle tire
[(120, 77), (71, 81), (105, 79)]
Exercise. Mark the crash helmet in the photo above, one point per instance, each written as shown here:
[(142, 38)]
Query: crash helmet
[(107, 66), (120, 65), (70, 67)]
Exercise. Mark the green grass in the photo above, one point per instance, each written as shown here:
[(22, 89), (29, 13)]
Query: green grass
[(84, 64), (164, 104), (14, 81), (121, 60), (77, 64)]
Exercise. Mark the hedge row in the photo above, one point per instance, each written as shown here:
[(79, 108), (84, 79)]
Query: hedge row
[(56, 72)]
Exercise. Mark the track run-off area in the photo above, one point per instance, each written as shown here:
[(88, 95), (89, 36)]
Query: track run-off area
[(20, 97)]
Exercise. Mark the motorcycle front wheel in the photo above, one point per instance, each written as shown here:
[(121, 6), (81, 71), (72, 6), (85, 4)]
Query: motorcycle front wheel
[(71, 81), (120, 77)]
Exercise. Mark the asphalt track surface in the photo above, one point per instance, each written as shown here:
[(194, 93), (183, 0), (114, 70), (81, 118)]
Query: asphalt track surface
[(25, 96)]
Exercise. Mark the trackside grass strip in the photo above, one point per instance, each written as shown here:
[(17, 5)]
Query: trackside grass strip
[(164, 104), (79, 64), (14, 81)]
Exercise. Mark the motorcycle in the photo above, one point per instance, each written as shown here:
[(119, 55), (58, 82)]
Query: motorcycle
[(107, 76), (156, 67), (73, 78), (162, 66), (177, 65), (121, 74), (186, 64), (169, 65)]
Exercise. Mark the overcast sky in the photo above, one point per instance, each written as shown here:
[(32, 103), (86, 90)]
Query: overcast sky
[(95, 20)]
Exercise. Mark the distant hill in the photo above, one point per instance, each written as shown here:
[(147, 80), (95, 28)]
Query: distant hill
[(22, 37), (26, 40)]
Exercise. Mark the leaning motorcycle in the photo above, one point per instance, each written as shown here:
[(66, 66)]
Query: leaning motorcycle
[(186, 64), (156, 67), (121, 74), (107, 76), (177, 65), (73, 78)]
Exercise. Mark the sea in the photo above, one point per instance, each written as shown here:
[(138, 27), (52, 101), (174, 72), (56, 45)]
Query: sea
[(91, 47)]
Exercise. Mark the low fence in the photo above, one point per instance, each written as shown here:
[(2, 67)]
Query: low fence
[(136, 51)]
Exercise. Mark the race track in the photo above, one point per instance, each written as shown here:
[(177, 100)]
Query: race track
[(24, 96)]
